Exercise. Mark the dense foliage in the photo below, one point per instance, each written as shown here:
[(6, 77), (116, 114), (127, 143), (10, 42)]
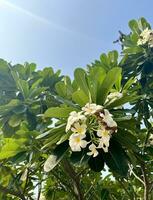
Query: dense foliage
[(86, 138)]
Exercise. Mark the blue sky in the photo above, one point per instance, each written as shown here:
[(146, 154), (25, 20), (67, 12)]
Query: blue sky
[(64, 34)]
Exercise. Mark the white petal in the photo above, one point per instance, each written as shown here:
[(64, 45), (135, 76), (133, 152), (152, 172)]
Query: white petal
[(96, 153), (75, 148), (89, 153), (92, 147), (84, 143)]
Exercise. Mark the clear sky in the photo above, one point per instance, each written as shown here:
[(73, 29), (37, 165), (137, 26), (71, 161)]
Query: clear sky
[(64, 34)]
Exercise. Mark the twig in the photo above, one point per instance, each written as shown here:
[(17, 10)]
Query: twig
[(139, 179), (146, 183), (39, 190)]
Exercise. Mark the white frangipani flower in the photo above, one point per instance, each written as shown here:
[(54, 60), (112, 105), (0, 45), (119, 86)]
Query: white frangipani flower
[(93, 150), (78, 123), (113, 96), (76, 142), (103, 133), (74, 117), (107, 118), (146, 37), (104, 144), (91, 109), (104, 139), (77, 128)]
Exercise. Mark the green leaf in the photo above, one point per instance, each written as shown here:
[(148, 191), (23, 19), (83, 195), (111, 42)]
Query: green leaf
[(118, 83), (64, 88), (104, 194), (22, 85), (105, 61), (107, 84), (58, 112), (15, 120), (12, 147), (61, 89), (96, 163), (95, 83), (35, 92), (116, 159), (113, 57), (52, 132), (127, 140), (10, 106), (121, 101), (79, 158), (81, 80), (143, 24), (80, 97), (129, 83), (133, 50), (56, 156), (134, 26), (56, 135), (129, 124)]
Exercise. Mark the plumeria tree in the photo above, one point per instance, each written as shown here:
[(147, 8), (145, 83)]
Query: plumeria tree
[(86, 138)]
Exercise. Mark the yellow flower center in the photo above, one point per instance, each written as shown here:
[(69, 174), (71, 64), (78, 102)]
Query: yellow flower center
[(80, 130), (105, 133), (77, 140)]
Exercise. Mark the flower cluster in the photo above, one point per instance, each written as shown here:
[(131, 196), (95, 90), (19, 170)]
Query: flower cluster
[(93, 126), (146, 37)]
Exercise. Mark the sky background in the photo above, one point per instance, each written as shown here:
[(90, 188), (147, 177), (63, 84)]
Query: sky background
[(65, 34)]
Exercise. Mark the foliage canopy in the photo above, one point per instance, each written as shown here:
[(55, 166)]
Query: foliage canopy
[(35, 155)]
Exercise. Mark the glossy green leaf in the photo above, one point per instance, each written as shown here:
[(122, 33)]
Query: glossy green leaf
[(107, 84), (58, 112), (12, 147), (80, 97), (127, 140), (80, 158), (81, 80), (96, 163), (95, 83), (116, 159), (121, 101), (134, 26), (64, 88)]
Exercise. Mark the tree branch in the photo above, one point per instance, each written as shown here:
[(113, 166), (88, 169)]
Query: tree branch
[(12, 192), (146, 183), (70, 171)]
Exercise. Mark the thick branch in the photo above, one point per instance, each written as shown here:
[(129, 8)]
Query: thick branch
[(12, 192), (70, 171)]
